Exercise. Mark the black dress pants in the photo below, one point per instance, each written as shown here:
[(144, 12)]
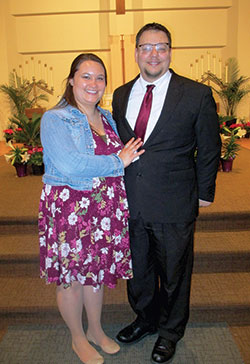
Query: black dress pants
[(162, 260)]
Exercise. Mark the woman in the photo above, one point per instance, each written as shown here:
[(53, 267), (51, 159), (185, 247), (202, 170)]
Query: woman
[(83, 210)]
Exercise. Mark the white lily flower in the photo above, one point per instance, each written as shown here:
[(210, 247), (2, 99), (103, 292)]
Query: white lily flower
[(25, 157)]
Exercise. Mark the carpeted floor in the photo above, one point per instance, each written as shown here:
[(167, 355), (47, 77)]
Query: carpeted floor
[(50, 344)]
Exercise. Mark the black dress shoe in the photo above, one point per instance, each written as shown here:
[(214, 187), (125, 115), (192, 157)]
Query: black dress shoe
[(163, 351), (135, 332)]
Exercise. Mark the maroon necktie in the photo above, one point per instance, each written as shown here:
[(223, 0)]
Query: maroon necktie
[(142, 118)]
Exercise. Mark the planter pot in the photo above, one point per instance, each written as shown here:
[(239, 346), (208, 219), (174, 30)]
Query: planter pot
[(227, 165), (21, 169), (36, 110), (37, 170)]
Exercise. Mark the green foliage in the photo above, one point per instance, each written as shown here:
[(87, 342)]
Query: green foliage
[(17, 154), (36, 157), (21, 96), (230, 147), (30, 129), (233, 91)]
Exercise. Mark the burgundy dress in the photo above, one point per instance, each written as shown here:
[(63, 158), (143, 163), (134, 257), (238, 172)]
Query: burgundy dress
[(83, 235)]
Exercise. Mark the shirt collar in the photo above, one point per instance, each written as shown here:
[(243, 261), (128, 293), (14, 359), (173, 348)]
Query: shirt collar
[(157, 83)]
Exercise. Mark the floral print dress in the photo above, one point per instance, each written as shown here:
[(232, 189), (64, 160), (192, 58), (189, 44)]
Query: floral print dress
[(83, 235)]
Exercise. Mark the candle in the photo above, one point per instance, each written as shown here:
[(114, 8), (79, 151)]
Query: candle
[(202, 65), (46, 74), (21, 73), (33, 68), (196, 70), (214, 68), (220, 68), (51, 78), (39, 70), (27, 69), (191, 70), (226, 73), (208, 61), (15, 79)]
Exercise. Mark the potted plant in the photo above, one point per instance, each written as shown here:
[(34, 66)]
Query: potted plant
[(18, 157), (36, 160), (21, 95), (230, 147), (28, 131), (231, 89)]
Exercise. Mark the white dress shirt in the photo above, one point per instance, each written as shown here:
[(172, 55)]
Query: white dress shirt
[(136, 96)]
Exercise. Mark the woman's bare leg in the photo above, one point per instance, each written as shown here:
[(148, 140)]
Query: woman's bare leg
[(93, 305), (70, 304)]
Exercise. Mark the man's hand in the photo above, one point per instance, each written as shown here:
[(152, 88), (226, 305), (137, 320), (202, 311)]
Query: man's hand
[(203, 203)]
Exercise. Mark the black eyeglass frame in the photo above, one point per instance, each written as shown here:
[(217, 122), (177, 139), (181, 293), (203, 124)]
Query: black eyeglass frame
[(154, 45)]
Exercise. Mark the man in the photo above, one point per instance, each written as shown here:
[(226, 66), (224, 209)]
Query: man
[(165, 187)]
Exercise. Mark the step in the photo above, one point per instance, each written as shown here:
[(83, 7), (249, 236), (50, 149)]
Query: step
[(222, 251), (214, 252), (214, 297), (206, 221), (19, 255), (223, 221)]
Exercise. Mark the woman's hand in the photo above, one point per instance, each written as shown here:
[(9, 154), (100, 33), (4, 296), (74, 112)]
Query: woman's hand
[(129, 152)]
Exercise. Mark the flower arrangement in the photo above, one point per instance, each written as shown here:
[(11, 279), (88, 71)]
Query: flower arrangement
[(243, 125), (18, 155), (36, 156), (9, 134)]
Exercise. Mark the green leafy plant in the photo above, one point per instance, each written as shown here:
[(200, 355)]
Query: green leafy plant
[(232, 91), (229, 138), (21, 94), (28, 131), (17, 154), (36, 156)]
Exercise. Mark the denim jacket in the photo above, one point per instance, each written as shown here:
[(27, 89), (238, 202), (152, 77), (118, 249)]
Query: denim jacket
[(68, 150)]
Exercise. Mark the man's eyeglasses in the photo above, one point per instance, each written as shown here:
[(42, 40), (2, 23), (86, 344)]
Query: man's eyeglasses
[(159, 47)]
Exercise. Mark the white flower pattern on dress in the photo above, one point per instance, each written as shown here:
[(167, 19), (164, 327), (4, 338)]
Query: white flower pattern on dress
[(64, 195), (98, 234), (110, 192), (96, 182), (65, 249), (118, 256), (105, 223), (72, 219), (84, 203), (118, 214)]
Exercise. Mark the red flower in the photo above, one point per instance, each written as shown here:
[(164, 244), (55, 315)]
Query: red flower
[(8, 131), (18, 129)]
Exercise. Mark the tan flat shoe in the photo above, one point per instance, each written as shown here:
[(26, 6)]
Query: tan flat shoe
[(97, 360), (111, 348)]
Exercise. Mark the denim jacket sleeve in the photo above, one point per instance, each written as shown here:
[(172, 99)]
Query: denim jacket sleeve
[(68, 145)]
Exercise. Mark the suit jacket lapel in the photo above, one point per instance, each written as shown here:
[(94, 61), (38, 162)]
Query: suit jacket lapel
[(127, 90)]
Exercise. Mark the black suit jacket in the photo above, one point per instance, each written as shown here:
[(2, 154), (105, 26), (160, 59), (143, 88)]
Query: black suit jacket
[(165, 183)]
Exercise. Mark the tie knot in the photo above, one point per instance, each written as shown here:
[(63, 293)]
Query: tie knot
[(150, 88)]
